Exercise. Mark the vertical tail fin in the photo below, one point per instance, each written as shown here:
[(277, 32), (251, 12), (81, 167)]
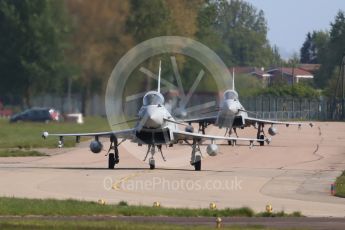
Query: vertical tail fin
[(159, 78), (233, 78)]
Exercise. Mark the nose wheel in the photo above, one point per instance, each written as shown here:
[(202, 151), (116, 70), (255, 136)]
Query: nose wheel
[(152, 150), (152, 163)]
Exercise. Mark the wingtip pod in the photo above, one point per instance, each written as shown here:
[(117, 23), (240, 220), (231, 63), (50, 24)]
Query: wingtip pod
[(45, 135)]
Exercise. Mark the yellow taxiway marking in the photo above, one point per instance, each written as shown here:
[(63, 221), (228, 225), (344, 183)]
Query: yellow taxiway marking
[(117, 185)]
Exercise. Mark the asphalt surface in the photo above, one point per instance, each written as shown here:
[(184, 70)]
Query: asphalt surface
[(270, 222), (293, 173)]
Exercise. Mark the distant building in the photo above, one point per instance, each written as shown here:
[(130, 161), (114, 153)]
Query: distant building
[(259, 73), (312, 68), (289, 75), (286, 74)]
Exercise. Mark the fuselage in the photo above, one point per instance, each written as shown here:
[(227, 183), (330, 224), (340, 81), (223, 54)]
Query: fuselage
[(152, 126), (231, 114)]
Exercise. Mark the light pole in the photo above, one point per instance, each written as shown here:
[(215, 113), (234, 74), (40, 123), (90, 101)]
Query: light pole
[(342, 90)]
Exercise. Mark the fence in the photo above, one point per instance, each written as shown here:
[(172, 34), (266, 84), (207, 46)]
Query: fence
[(288, 108), (266, 107)]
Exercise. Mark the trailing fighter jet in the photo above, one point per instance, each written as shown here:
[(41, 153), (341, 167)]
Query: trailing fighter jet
[(232, 115), (155, 127)]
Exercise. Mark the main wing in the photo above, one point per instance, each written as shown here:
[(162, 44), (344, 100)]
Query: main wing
[(209, 120), (182, 135), (253, 121), (123, 134)]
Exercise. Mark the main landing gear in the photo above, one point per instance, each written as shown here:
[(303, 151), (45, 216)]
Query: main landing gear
[(229, 130), (202, 127), (152, 150), (113, 157), (195, 159), (261, 134)]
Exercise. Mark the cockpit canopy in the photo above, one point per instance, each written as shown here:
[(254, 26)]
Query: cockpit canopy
[(153, 98), (230, 95)]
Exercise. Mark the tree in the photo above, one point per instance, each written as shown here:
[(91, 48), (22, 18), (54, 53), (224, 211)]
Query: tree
[(306, 50), (314, 47), (99, 40), (330, 50), (239, 31), (33, 39), (183, 16), (148, 19)]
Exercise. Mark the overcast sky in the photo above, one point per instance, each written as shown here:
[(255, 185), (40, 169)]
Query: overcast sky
[(290, 20)]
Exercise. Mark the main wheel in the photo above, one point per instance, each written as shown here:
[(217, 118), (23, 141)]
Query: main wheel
[(152, 164), (262, 143), (229, 143), (111, 160), (197, 163)]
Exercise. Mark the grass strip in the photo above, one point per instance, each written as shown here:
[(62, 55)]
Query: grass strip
[(340, 185), (95, 225), (20, 153), (53, 207), (28, 134)]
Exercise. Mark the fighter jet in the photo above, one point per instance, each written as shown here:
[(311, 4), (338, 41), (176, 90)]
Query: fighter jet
[(231, 115), (155, 127)]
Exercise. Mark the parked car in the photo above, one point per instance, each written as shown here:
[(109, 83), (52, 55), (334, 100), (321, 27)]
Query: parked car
[(37, 115)]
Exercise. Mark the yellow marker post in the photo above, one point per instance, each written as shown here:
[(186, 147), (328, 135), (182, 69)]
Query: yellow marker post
[(101, 201), (218, 222), (269, 208), (156, 204), (213, 206)]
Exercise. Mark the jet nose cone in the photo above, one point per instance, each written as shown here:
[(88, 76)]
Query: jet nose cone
[(231, 108), (154, 118)]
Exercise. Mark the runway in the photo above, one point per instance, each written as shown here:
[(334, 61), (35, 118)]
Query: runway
[(293, 173)]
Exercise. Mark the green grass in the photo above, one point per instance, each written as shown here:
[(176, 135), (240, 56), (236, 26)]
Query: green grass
[(28, 134), (60, 224), (279, 214), (340, 185), (52, 207), (20, 153)]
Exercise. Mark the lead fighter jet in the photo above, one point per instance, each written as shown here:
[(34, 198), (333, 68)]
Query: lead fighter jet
[(155, 127), (232, 115)]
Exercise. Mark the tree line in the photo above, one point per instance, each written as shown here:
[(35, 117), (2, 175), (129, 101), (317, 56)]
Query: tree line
[(50, 45), (326, 48)]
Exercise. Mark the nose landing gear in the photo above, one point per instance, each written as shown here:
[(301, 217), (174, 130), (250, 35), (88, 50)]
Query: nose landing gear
[(152, 149), (229, 130)]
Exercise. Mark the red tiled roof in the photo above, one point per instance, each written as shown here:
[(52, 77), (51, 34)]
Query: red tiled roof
[(290, 71), (248, 70), (309, 67)]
